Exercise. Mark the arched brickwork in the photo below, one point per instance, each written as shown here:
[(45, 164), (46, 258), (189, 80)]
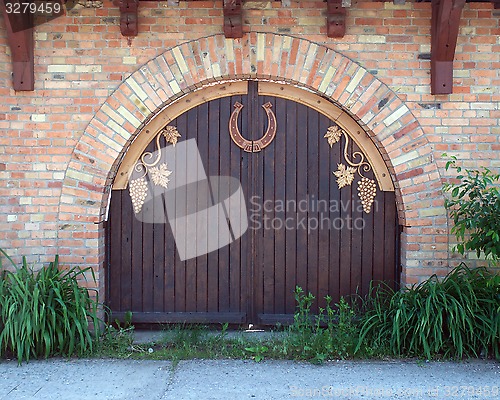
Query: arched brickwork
[(182, 69)]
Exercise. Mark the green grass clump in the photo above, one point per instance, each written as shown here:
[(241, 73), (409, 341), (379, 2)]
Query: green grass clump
[(458, 316), (332, 334), (45, 313)]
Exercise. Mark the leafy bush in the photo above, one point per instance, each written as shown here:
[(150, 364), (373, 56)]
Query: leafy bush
[(475, 209), (454, 317), (46, 312), (331, 334)]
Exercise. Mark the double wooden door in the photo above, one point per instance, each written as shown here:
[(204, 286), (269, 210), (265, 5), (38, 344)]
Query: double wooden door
[(303, 230)]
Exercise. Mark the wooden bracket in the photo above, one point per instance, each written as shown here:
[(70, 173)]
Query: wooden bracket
[(20, 38), (233, 19), (335, 20), (444, 33), (129, 21)]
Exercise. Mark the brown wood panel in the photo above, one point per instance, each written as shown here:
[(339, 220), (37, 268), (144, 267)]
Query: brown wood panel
[(291, 193), (158, 267), (201, 271), (253, 278), (301, 194), (279, 146), (212, 168), (335, 242), (324, 178), (267, 171), (313, 229), (224, 170), (125, 280), (114, 255)]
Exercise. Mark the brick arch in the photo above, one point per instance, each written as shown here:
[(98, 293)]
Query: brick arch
[(182, 69)]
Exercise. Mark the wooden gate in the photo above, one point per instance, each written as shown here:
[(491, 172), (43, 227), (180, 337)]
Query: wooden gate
[(320, 217)]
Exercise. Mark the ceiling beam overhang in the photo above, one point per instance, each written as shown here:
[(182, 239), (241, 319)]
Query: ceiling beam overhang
[(233, 19), (444, 33), (129, 20), (20, 38), (335, 19)]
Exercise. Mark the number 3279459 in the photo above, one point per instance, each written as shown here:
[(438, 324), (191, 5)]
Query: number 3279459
[(34, 7)]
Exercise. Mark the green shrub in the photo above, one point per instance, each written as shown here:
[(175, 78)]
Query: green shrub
[(454, 317), (331, 334), (475, 208), (46, 312)]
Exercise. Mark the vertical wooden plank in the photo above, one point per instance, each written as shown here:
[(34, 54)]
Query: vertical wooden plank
[(192, 292), (169, 264), (346, 196), (336, 220), (200, 133), (159, 258), (136, 266), (378, 242), (224, 170), (247, 259), (237, 258), (212, 168), (147, 264), (291, 213), (390, 235), (324, 214), (280, 109), (114, 244), (166, 241), (126, 256), (257, 295), (301, 167), (367, 243), (311, 136), (268, 164), (180, 208), (356, 231)]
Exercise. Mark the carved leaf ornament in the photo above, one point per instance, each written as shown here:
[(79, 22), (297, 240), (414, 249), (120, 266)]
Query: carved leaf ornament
[(158, 172), (367, 188)]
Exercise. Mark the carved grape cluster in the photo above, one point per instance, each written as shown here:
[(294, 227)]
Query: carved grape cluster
[(367, 189), (138, 191)]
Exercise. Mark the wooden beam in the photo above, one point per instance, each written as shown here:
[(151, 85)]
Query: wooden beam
[(129, 20), (335, 19), (233, 19), (20, 38), (444, 33)]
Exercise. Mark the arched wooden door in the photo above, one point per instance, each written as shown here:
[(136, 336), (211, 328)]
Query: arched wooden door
[(310, 223)]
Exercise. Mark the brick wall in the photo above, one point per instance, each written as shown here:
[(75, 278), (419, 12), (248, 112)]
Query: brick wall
[(60, 144)]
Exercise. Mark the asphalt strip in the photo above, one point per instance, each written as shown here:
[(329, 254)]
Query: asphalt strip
[(237, 379)]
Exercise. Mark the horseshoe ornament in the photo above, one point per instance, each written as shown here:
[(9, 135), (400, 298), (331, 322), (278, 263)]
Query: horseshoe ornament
[(256, 145)]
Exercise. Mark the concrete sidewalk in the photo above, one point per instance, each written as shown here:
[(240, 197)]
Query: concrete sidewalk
[(236, 379)]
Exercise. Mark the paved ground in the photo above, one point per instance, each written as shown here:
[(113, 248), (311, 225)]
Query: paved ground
[(202, 379)]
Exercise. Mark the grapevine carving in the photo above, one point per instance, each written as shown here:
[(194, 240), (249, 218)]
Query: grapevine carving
[(367, 189), (158, 172)]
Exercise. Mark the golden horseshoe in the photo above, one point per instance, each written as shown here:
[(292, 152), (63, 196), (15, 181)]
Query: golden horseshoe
[(257, 145)]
